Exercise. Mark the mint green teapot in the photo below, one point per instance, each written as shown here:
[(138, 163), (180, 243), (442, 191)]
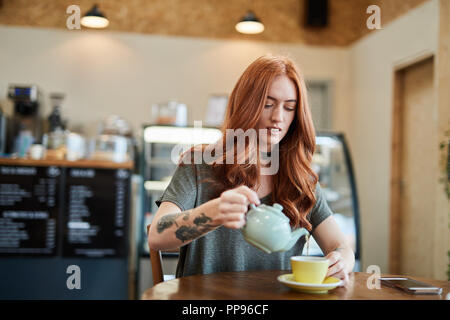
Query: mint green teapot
[(268, 229)]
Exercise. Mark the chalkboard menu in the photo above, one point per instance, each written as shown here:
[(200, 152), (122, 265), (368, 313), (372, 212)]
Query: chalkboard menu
[(64, 211), (95, 212), (29, 204)]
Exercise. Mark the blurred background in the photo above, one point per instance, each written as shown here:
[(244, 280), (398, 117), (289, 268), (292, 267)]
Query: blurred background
[(378, 74)]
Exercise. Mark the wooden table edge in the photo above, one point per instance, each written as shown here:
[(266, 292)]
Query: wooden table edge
[(146, 296)]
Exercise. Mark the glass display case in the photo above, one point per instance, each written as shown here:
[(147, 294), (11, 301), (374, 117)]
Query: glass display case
[(333, 165)]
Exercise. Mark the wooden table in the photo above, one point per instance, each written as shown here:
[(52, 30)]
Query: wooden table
[(263, 285)]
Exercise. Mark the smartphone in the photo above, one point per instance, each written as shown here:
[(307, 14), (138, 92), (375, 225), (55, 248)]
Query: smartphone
[(410, 285)]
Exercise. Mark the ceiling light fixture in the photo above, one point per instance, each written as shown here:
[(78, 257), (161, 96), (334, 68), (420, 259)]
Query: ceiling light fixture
[(94, 19), (250, 24)]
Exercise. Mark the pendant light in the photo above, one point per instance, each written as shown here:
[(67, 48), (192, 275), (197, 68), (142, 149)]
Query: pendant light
[(249, 24), (94, 19)]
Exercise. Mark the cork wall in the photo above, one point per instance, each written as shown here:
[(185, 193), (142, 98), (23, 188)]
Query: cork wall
[(284, 20)]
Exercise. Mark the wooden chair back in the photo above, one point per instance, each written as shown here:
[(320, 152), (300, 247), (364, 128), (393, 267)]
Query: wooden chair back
[(156, 264)]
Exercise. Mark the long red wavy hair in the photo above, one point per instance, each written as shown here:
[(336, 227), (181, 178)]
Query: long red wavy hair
[(293, 186)]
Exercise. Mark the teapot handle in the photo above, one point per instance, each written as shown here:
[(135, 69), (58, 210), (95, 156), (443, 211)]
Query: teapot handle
[(252, 207)]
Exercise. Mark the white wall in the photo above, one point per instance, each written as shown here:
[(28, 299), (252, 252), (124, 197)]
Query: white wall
[(106, 72), (373, 60)]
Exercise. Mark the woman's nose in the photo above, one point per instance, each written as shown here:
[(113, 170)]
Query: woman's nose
[(277, 114)]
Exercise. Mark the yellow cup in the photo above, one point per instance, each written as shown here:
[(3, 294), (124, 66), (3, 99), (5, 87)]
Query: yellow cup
[(309, 269)]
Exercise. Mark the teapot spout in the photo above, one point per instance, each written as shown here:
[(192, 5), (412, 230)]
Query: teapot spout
[(295, 235)]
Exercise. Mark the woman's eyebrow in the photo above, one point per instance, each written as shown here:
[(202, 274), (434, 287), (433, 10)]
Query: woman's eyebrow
[(290, 100)]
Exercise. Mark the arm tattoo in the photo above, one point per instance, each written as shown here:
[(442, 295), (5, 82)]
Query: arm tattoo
[(169, 219), (202, 220), (186, 233)]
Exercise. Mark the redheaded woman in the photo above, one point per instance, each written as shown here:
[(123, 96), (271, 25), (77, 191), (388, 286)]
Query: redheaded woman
[(204, 206)]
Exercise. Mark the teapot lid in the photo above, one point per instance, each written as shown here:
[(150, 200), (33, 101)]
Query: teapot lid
[(276, 209), (275, 206), (278, 206)]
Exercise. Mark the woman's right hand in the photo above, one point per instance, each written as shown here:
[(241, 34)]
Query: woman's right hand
[(233, 205)]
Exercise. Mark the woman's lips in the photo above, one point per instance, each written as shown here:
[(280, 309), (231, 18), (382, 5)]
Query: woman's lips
[(273, 130)]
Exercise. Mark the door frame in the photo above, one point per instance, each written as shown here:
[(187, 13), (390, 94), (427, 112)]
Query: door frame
[(396, 183)]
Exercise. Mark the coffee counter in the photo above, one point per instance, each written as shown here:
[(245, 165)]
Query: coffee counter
[(66, 163), (58, 213)]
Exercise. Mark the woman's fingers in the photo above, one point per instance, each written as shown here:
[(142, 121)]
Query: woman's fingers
[(251, 195), (343, 276), (231, 196), (335, 264), (236, 221), (333, 257), (235, 216), (234, 204), (233, 220), (336, 268), (240, 195), (226, 207)]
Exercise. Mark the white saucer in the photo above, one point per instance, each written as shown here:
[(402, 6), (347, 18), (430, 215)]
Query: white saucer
[(328, 284)]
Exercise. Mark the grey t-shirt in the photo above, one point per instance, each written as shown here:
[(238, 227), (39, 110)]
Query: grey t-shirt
[(225, 249)]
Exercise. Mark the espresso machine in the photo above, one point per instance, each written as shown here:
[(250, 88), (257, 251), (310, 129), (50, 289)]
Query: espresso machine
[(26, 122)]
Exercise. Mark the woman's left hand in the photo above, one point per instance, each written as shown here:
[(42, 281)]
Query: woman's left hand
[(336, 267)]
